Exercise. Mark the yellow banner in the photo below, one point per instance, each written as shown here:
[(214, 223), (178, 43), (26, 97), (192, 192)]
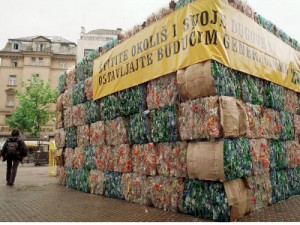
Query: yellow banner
[(200, 31)]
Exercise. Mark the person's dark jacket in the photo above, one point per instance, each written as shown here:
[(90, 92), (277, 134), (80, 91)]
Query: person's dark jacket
[(22, 150)]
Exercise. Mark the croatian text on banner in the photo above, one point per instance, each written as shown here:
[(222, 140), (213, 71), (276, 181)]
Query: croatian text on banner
[(200, 31)]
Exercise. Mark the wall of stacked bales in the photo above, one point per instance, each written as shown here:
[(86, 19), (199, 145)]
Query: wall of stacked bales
[(217, 152)]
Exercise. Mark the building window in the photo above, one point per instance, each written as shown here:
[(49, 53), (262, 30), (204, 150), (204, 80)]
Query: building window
[(40, 47), (63, 64), (14, 63), (16, 46), (0, 61), (35, 78), (12, 81), (64, 48), (7, 117), (10, 101), (33, 61), (40, 61), (87, 51)]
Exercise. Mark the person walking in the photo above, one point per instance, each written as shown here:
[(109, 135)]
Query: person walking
[(14, 150)]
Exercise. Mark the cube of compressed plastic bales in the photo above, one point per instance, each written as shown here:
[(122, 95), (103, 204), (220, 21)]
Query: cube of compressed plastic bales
[(83, 138), (102, 154), (88, 88), (71, 137), (97, 133), (61, 82), (67, 98), (68, 118), (71, 77), (227, 81), (293, 181), (71, 178), (200, 119), (138, 129), (261, 191), (271, 124), (84, 68), (136, 188), (59, 121), (162, 92), (92, 113), (60, 138), (116, 132), (144, 159), (290, 101), (166, 192), (279, 181), (59, 103), (213, 77), (205, 199), (171, 159), (252, 89), (61, 175), (90, 157), (293, 153), (254, 116), (132, 100), (79, 158), (260, 151), (287, 126), (274, 96), (234, 151), (78, 115), (96, 182), (278, 155), (69, 157), (297, 126), (113, 185), (164, 124), (222, 160), (122, 158), (82, 180), (109, 107), (78, 95)]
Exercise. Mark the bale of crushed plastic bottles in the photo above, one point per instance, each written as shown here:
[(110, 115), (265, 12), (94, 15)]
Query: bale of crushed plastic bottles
[(78, 95), (109, 107), (83, 138), (96, 181), (274, 97), (164, 124), (113, 185), (97, 133), (115, 131), (162, 92), (90, 157), (132, 100), (171, 159), (138, 128), (92, 113), (144, 159), (279, 182), (136, 188)]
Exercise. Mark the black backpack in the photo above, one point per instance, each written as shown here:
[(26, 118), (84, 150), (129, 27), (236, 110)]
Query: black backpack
[(12, 147)]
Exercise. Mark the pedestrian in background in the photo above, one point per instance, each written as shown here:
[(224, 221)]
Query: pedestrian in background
[(14, 150)]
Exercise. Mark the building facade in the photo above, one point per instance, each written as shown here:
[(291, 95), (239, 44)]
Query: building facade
[(21, 58), (93, 40)]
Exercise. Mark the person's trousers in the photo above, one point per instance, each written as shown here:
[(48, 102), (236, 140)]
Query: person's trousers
[(11, 171)]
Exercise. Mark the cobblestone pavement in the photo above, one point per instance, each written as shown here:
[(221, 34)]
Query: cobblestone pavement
[(37, 198)]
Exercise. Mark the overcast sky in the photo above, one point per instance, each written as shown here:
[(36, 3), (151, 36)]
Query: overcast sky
[(21, 18)]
